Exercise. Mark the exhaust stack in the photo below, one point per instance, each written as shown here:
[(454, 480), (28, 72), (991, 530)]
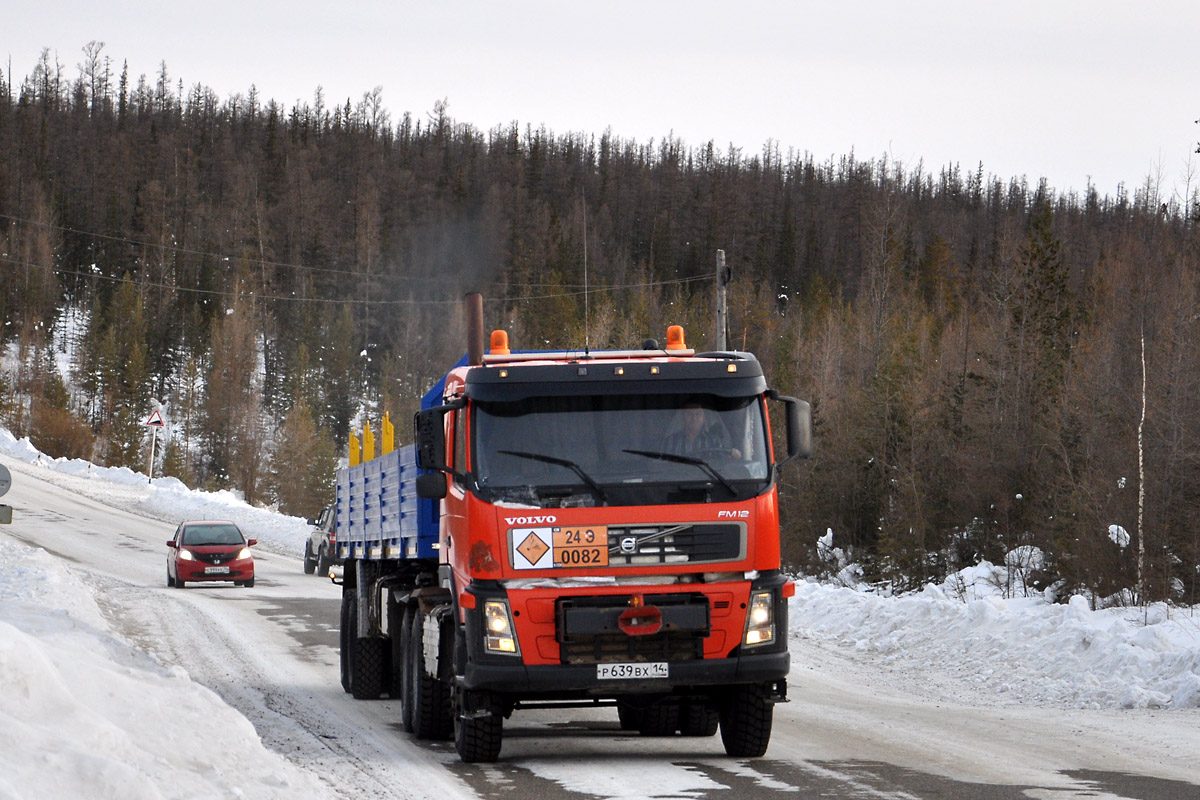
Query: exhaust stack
[(474, 308)]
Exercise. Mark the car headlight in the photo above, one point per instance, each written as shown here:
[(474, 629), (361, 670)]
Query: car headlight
[(760, 621), (498, 634), (243, 553), (186, 555)]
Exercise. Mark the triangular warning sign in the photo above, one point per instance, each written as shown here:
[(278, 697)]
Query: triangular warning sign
[(156, 420)]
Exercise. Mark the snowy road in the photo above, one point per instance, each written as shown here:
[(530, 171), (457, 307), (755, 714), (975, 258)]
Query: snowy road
[(853, 730)]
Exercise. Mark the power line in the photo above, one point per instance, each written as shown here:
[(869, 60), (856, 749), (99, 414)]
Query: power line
[(342, 301), (292, 266)]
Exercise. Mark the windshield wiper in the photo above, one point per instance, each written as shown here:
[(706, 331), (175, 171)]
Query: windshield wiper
[(696, 462), (561, 462)]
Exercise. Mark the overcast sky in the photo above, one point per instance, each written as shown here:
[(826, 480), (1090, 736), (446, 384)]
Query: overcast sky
[(1102, 89)]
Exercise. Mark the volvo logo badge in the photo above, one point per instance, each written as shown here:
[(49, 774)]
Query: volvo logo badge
[(629, 544)]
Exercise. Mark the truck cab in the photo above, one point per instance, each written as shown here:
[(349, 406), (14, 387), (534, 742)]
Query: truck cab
[(608, 532)]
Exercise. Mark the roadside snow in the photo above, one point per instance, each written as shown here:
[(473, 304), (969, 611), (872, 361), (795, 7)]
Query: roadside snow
[(83, 714), (167, 499), (1019, 651)]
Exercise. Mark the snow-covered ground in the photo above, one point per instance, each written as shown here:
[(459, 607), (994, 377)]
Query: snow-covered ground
[(83, 713)]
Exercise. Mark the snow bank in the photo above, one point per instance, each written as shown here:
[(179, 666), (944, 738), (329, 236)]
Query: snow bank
[(1009, 651), (82, 714), (167, 499)]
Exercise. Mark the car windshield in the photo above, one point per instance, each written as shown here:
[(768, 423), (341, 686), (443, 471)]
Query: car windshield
[(200, 535), (619, 450)]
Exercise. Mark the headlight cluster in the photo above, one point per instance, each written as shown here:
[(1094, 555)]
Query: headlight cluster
[(760, 622), (186, 555), (498, 628), (243, 553)]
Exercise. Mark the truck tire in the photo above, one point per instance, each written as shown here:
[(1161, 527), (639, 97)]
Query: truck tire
[(660, 719), (344, 643), (477, 739), (746, 718), (323, 562), (699, 718), (366, 661), (430, 698), (629, 715), (402, 666), (310, 563)]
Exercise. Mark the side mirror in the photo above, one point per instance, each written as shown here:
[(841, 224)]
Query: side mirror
[(251, 542), (799, 427), (429, 433), (431, 485), (171, 543)]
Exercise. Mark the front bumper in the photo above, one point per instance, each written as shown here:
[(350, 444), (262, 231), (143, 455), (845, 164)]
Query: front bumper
[(194, 571), (572, 680)]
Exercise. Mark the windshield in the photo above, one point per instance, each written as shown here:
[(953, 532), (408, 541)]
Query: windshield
[(201, 535), (619, 450)]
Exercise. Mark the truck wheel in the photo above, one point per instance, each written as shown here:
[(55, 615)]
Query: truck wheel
[(366, 662), (698, 718), (402, 666), (746, 717), (477, 739), (660, 719), (344, 643), (629, 715), (310, 563), (430, 700), (323, 561)]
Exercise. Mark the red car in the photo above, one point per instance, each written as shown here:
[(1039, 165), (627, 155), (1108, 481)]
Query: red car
[(209, 550)]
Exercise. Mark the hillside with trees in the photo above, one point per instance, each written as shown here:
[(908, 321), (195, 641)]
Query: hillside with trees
[(996, 368)]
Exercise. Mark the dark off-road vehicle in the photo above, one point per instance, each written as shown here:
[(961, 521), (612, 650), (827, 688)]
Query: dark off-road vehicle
[(319, 549)]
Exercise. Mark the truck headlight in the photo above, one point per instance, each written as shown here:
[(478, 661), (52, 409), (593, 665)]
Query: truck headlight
[(760, 621), (498, 634)]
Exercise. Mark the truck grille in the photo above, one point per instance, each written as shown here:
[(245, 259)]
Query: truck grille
[(588, 632), (686, 542)]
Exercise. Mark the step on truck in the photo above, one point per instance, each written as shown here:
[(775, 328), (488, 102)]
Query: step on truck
[(575, 529)]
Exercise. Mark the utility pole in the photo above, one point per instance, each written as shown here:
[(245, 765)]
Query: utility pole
[(724, 274)]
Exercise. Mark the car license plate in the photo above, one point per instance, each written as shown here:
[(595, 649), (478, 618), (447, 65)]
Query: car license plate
[(216, 570), (627, 671)]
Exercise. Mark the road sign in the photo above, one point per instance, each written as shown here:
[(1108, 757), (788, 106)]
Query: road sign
[(5, 480), (156, 420)]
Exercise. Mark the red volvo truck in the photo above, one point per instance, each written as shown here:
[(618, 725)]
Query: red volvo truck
[(575, 529)]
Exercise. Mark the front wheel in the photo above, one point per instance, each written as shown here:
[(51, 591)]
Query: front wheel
[(477, 736), (310, 562), (746, 717)]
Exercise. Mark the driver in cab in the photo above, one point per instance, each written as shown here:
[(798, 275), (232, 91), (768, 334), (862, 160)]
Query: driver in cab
[(696, 433)]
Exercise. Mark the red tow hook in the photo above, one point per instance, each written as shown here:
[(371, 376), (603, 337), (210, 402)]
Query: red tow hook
[(640, 619)]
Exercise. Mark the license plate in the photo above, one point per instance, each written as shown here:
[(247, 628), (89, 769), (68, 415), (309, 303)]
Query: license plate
[(626, 671), (216, 570)]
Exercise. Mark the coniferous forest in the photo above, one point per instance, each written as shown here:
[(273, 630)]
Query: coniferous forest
[(995, 368)]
